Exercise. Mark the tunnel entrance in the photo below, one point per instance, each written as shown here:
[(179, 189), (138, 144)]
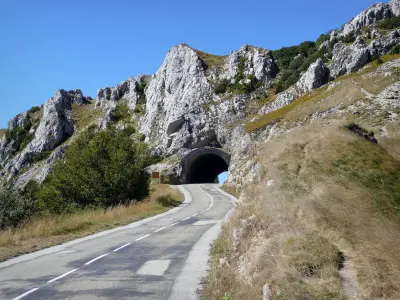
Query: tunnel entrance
[(204, 165)]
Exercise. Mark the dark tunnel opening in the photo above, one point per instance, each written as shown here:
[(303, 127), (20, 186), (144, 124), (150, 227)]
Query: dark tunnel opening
[(205, 168)]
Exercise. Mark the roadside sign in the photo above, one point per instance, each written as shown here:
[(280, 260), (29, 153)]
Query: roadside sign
[(156, 175)]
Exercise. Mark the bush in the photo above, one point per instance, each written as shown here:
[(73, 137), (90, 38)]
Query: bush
[(15, 208), (101, 169), (140, 88), (33, 109), (291, 66), (40, 156), (121, 112), (395, 50), (20, 136), (322, 38), (390, 23), (220, 87)]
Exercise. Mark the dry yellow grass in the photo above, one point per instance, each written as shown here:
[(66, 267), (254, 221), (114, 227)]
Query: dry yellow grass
[(2, 132), (85, 115), (49, 231), (335, 195), (348, 92)]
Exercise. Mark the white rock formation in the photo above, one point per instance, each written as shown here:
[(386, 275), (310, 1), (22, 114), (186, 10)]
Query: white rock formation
[(55, 127), (347, 59), (395, 6), (367, 17)]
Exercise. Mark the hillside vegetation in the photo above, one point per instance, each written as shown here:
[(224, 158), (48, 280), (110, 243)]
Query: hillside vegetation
[(101, 183), (323, 219), (331, 215)]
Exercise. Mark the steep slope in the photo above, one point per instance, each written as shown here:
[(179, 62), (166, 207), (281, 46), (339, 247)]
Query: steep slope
[(319, 214)]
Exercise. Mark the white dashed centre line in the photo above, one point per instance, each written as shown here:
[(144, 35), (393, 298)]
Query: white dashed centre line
[(122, 247), (145, 236), (186, 219), (174, 224), (25, 294), (195, 215), (63, 275), (97, 258), (159, 229)]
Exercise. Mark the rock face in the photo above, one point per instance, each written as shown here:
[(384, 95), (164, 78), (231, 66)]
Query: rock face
[(316, 76), (368, 17), (55, 127), (130, 90), (347, 59), (395, 7), (182, 110), (177, 90), (255, 61), (384, 44)]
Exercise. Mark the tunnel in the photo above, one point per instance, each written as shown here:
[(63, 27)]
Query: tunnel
[(204, 165)]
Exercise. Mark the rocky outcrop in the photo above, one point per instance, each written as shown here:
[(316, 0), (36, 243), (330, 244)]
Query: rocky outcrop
[(395, 7), (347, 59), (55, 127), (177, 91), (384, 44), (316, 76), (368, 17), (19, 120), (251, 61), (131, 91)]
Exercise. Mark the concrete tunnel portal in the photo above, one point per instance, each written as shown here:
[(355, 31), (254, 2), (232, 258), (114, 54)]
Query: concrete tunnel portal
[(203, 165)]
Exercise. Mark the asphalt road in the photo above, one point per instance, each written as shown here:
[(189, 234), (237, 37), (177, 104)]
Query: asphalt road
[(160, 258)]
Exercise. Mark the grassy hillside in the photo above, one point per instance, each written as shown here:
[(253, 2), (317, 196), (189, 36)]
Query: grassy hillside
[(324, 220), (331, 214)]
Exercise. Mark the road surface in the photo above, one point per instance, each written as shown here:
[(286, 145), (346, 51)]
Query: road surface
[(162, 257)]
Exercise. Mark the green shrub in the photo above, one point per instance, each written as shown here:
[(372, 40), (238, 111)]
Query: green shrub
[(390, 23), (221, 86), (322, 38), (395, 50), (291, 65), (20, 136), (140, 90), (40, 156), (121, 112), (15, 208), (101, 169), (33, 109)]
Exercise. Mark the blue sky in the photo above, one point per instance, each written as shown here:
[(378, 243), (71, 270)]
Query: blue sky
[(53, 44)]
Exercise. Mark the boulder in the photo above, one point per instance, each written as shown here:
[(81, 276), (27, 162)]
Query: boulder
[(316, 76)]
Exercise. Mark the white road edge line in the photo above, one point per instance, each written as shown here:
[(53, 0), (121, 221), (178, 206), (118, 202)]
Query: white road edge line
[(159, 229), (93, 260), (186, 219), (212, 199), (115, 250), (145, 236), (25, 294), (63, 275)]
